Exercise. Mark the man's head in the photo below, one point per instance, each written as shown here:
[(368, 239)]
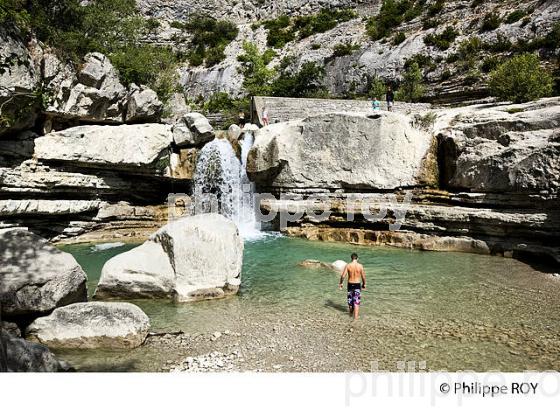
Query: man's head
[(354, 256)]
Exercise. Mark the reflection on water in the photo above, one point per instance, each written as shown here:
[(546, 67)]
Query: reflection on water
[(408, 292)]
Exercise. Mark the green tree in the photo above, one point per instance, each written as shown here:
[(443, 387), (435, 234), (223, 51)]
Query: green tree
[(412, 86), (257, 76), (377, 88), (521, 79), (307, 82)]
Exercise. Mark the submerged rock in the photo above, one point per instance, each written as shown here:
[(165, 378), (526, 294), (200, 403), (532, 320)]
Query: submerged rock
[(341, 150), (194, 258), (339, 265), (36, 277), (92, 325)]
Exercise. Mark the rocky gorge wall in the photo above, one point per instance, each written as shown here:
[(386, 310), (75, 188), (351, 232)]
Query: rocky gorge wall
[(81, 152), (451, 75)]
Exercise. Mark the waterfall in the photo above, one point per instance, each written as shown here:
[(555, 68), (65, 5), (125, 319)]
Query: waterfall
[(221, 185)]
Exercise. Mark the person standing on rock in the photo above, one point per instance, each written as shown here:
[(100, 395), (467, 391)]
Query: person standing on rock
[(356, 282), (265, 119), (390, 96), (375, 104), (241, 119)]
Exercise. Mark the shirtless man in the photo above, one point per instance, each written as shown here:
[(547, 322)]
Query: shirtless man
[(356, 282)]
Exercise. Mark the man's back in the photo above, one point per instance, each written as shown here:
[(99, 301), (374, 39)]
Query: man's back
[(355, 270)]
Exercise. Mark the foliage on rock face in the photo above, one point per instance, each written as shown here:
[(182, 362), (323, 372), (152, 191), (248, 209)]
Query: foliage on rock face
[(391, 15), (209, 39), (521, 79), (112, 27), (412, 86), (344, 49), (259, 79), (377, 88), (257, 76), (490, 22), (284, 29), (443, 40), (304, 83)]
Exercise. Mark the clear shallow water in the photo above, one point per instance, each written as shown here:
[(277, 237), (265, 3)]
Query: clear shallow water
[(456, 311)]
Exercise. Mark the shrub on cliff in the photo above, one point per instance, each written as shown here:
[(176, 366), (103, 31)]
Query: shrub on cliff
[(257, 76), (307, 82), (521, 79), (208, 39), (442, 40), (391, 15), (412, 86)]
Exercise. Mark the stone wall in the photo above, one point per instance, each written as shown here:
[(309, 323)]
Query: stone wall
[(282, 109)]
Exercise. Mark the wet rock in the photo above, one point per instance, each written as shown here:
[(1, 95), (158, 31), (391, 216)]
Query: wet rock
[(36, 277), (92, 325), (339, 265)]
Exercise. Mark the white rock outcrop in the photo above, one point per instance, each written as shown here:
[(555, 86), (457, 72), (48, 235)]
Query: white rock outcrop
[(36, 277), (143, 147), (193, 129), (513, 148), (91, 325), (341, 151), (193, 258)]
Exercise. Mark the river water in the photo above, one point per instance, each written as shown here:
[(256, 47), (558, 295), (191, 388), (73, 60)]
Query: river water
[(447, 311)]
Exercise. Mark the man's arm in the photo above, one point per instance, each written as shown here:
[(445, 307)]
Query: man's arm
[(363, 278), (342, 276)]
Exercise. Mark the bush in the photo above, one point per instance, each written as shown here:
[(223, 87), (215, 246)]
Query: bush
[(430, 23), (412, 87), (501, 45), (257, 76), (390, 16), (209, 38), (423, 61), (436, 8), (490, 63), (304, 83), (443, 40), (376, 88), (344, 49), (521, 79), (515, 16), (399, 38), (282, 30), (490, 22)]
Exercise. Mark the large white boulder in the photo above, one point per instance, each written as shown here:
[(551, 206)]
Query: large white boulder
[(91, 325), (342, 151), (193, 258), (141, 148), (36, 277)]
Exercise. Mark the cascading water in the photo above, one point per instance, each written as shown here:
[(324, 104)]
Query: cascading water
[(222, 185)]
